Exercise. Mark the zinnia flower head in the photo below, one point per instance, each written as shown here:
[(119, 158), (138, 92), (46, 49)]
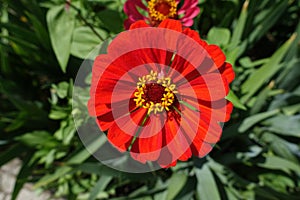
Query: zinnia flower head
[(154, 11), (160, 93)]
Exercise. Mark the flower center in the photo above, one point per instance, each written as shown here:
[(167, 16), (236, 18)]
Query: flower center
[(155, 92), (162, 9)]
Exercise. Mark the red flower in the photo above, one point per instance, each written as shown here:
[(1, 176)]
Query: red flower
[(160, 93), (159, 10)]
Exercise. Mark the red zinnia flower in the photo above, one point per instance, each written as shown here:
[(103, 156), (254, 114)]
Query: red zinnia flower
[(160, 93), (159, 10)]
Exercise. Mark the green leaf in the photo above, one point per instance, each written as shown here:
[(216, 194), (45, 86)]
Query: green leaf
[(265, 72), (284, 125), (277, 163), (239, 28), (76, 159), (252, 120), (100, 186), (85, 40), (176, 183), (62, 89), (234, 99), (97, 168), (111, 20), (37, 139), (261, 100), (23, 175), (291, 110), (266, 19), (276, 181), (90, 149), (61, 24), (206, 188), (188, 191), (247, 62), (40, 30), (49, 178), (11, 153), (281, 147), (218, 36), (58, 114)]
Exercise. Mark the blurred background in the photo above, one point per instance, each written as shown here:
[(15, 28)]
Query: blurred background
[(42, 45)]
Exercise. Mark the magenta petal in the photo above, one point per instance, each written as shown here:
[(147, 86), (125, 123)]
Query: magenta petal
[(187, 22), (140, 4), (191, 13), (127, 23), (131, 10), (188, 4)]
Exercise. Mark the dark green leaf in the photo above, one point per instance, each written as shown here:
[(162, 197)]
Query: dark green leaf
[(23, 175), (111, 20), (10, 153)]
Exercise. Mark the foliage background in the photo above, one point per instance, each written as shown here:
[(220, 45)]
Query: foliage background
[(42, 45)]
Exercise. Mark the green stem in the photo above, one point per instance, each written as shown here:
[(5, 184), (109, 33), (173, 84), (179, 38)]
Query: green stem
[(84, 20)]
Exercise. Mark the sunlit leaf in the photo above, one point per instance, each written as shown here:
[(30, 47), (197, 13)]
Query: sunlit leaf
[(206, 188), (176, 183), (252, 120), (218, 36), (85, 41), (278, 163), (284, 125), (265, 72), (234, 99), (61, 24)]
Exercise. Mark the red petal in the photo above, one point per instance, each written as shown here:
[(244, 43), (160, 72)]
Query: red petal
[(182, 66), (120, 77), (148, 143), (171, 24), (139, 24), (173, 164), (195, 35), (216, 54), (176, 141), (208, 87), (105, 121), (202, 150), (227, 71), (124, 128), (147, 149), (209, 131), (118, 137), (97, 109)]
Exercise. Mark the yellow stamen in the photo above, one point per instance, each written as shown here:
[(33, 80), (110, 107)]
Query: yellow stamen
[(168, 97), (157, 15)]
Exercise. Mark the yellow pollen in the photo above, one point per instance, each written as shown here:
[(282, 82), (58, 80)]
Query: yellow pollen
[(162, 84), (169, 9)]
